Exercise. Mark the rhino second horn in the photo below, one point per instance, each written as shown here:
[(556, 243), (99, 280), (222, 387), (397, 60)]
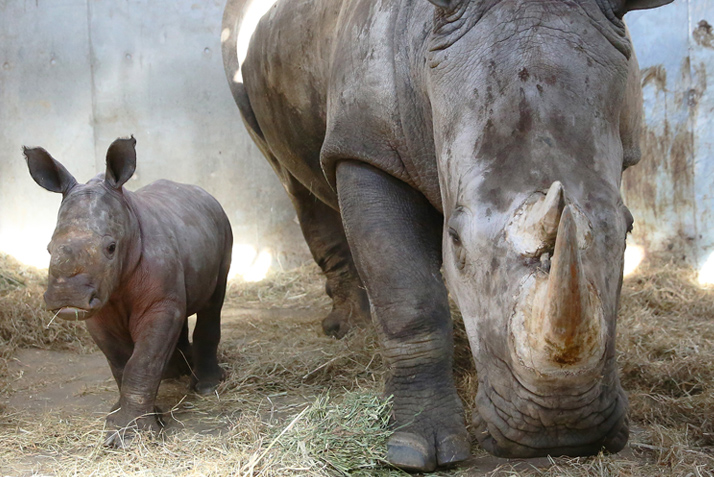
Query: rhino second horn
[(533, 232), (547, 212), (571, 320)]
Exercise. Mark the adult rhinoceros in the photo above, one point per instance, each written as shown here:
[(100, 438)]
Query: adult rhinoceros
[(487, 137)]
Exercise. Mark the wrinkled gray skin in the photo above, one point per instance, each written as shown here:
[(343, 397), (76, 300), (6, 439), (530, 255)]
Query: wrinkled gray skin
[(135, 265), (487, 136)]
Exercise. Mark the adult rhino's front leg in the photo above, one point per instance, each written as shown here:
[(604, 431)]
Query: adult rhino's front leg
[(395, 236), (156, 334)]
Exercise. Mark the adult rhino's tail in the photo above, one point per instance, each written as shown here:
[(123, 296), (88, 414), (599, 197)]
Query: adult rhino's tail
[(233, 16), (240, 17)]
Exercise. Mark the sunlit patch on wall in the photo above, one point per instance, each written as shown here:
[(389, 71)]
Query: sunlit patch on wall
[(28, 247), (634, 254), (706, 272), (249, 264), (257, 9)]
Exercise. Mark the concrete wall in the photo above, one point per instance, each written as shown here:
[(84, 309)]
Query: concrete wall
[(671, 191), (76, 74)]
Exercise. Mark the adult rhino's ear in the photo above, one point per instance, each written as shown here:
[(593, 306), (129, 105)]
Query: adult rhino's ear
[(447, 4), (624, 6), (121, 162), (47, 172)]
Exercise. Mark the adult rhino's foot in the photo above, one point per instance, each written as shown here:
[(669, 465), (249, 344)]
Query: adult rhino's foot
[(122, 430), (436, 440), (206, 382), (414, 453), (347, 313)]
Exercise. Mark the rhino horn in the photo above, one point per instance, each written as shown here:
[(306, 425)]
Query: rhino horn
[(571, 324), (544, 217)]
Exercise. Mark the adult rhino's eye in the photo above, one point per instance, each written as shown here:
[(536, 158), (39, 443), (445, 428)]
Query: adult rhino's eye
[(459, 252), (111, 248), (455, 239), (629, 220)]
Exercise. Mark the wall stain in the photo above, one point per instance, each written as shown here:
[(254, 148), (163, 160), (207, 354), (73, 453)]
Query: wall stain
[(703, 34), (656, 75), (660, 190)]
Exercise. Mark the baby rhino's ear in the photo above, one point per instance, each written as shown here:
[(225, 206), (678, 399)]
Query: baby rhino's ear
[(121, 162), (47, 172)]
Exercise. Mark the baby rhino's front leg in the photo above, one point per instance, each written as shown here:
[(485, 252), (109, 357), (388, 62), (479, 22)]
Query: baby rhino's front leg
[(156, 334)]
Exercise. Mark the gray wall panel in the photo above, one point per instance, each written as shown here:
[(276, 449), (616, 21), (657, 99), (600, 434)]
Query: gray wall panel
[(670, 191), (148, 68), (45, 99), (75, 74)]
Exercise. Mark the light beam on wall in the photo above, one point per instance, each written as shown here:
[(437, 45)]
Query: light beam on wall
[(634, 254), (706, 272), (249, 264), (255, 11), (28, 247)]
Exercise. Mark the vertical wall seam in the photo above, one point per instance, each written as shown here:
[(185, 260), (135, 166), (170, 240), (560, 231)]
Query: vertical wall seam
[(93, 119), (693, 126)]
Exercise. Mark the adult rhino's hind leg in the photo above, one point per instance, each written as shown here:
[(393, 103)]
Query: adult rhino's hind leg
[(395, 236), (322, 228)]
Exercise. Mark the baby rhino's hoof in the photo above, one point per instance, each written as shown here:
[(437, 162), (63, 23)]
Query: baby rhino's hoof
[(208, 384), (120, 436)]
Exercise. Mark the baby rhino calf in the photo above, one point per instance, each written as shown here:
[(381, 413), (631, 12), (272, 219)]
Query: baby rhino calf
[(135, 265)]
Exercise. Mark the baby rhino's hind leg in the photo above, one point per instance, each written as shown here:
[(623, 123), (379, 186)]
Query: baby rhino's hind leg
[(207, 374), (181, 361)]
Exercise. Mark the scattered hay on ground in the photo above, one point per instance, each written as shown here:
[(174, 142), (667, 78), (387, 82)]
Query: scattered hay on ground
[(24, 322), (291, 392), (666, 357), (301, 287), (343, 436), (328, 437)]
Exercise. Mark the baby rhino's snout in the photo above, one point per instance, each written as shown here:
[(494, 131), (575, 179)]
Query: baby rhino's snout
[(71, 290)]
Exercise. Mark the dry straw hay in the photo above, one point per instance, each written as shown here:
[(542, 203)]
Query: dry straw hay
[(299, 403), (23, 322)]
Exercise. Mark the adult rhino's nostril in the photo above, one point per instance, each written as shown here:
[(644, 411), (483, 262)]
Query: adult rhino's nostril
[(545, 262)]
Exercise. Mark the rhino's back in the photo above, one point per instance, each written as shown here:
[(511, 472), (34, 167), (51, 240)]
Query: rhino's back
[(327, 80), (177, 205), (286, 75), (184, 230)]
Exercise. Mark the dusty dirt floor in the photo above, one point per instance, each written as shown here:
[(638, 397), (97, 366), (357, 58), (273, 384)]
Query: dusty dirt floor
[(298, 403)]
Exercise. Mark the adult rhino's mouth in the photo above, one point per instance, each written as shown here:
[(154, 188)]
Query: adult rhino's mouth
[(524, 425)]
